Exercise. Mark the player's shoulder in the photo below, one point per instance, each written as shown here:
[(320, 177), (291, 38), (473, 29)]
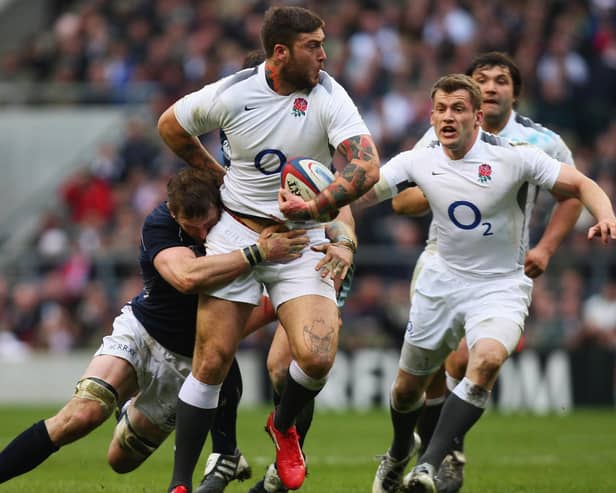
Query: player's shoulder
[(531, 128), (428, 139), (328, 86), (528, 123), (235, 80), (406, 156), (494, 140), (498, 148), (159, 217), (543, 137), (327, 82)]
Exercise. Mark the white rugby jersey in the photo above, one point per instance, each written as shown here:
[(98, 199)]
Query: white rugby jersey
[(478, 202), (264, 129), (519, 129)]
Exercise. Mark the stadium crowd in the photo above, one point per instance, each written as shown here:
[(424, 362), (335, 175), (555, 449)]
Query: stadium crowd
[(81, 267)]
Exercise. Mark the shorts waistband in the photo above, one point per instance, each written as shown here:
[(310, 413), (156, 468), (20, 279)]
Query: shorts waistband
[(255, 223)]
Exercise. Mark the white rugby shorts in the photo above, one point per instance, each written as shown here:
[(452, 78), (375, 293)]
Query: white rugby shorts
[(447, 305), (428, 251), (283, 281), (160, 372)]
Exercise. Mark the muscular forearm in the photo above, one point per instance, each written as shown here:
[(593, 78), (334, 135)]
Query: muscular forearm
[(565, 215), (342, 229), (186, 146), (202, 273), (355, 179), (411, 202), (596, 200)]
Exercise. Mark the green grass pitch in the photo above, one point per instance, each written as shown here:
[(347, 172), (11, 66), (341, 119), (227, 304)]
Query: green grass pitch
[(575, 453)]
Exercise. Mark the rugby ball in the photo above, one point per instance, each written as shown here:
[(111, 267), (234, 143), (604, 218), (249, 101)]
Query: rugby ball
[(305, 177)]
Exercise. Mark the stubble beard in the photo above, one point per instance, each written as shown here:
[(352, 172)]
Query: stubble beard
[(297, 77)]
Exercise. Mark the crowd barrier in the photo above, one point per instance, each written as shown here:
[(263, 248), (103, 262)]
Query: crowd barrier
[(552, 382)]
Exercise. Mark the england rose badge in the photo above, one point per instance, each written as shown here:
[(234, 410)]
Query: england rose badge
[(485, 173)]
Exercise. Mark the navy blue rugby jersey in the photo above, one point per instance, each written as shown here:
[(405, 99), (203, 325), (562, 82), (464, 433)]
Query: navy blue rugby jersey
[(168, 315)]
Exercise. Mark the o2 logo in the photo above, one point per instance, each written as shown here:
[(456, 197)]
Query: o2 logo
[(472, 220), (263, 161)]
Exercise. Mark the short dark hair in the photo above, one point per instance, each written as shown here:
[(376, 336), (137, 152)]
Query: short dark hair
[(283, 24), (454, 82), (493, 58), (192, 193)]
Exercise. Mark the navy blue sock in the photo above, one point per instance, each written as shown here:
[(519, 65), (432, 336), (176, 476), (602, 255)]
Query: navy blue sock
[(224, 433), (191, 428), (293, 399), (457, 417), (427, 423), (26, 451), (304, 420), (403, 425)]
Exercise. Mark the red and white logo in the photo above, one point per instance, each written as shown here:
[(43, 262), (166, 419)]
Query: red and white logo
[(300, 105), (485, 172)]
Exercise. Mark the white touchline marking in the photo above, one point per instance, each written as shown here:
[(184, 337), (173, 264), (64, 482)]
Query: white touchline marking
[(315, 459)]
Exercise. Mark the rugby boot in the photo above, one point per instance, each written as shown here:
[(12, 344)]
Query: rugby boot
[(221, 469), (289, 458)]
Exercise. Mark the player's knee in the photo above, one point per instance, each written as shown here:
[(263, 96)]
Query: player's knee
[(487, 363), (97, 400), (129, 448), (212, 361), (317, 366), (404, 394)]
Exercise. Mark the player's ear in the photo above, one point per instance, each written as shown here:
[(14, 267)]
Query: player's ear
[(479, 118), (281, 52)]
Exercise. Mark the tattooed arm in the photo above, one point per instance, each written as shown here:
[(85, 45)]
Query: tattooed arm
[(355, 179), (186, 146)]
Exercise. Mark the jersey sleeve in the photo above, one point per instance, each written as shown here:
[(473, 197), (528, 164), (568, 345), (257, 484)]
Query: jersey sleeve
[(200, 112), (561, 152), (156, 237), (426, 139), (396, 175), (343, 118), (540, 169)]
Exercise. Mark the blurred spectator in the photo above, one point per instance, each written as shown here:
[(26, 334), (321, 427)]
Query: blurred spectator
[(11, 348), (544, 330), (365, 318), (137, 150), (87, 197), (599, 319), (94, 314), (58, 331), (25, 316)]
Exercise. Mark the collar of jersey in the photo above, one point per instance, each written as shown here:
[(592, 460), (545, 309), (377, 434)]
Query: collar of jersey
[(510, 124), (474, 151)]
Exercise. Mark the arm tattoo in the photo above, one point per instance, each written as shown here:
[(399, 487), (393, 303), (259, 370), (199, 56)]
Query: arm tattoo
[(317, 343), (358, 147), (361, 155), (355, 175), (198, 157)]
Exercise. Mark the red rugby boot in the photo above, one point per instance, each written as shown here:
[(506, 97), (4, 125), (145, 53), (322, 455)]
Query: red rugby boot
[(289, 458)]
